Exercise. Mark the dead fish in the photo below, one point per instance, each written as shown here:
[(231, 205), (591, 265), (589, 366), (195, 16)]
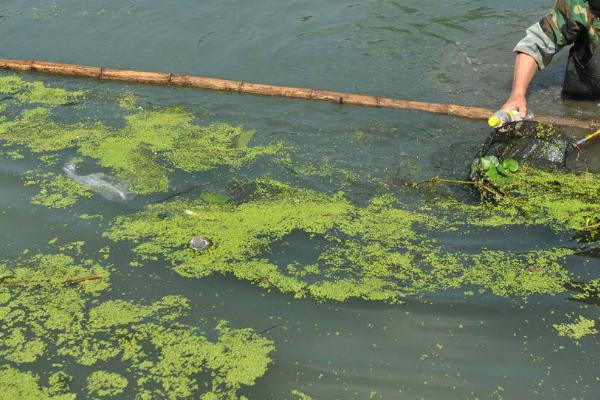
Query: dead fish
[(109, 187)]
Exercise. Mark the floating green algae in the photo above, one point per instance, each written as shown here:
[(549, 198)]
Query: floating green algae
[(59, 382), (215, 198), (587, 291), (13, 155), (104, 383), (27, 295), (35, 130), (152, 143), (557, 199), (239, 234), (128, 101), (298, 395), (554, 198), (578, 329), (55, 191), (49, 313), (325, 168), (376, 252), (37, 92), (145, 150), (25, 386), (545, 131)]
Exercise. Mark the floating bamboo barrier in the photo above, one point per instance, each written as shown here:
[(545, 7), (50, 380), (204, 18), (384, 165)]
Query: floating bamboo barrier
[(161, 78)]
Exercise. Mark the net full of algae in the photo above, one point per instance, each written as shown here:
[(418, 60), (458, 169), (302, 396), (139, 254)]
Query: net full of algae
[(380, 251)]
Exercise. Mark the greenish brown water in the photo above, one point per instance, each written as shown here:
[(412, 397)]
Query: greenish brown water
[(334, 279)]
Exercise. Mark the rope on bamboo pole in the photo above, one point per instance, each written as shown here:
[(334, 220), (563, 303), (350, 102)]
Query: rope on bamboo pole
[(162, 78)]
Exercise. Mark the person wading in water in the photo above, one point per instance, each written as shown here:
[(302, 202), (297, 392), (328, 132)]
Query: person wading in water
[(570, 22)]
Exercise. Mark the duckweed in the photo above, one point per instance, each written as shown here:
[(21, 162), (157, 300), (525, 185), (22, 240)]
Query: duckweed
[(587, 291), (35, 129), (298, 395), (128, 101), (556, 199), (55, 191), (545, 131), (578, 329), (13, 155), (143, 151), (47, 317), (37, 92), (380, 251), (25, 386), (377, 252), (103, 383)]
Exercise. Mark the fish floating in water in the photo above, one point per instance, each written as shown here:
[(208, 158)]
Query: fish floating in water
[(107, 186)]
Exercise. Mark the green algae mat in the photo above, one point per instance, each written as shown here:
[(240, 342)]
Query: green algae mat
[(289, 230)]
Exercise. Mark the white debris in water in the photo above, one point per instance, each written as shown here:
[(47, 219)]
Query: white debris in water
[(109, 187)]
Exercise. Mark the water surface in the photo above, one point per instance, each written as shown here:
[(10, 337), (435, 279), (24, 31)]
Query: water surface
[(451, 344)]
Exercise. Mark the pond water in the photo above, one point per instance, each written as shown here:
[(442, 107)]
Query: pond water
[(336, 280)]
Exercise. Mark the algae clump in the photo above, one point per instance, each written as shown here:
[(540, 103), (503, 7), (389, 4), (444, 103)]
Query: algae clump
[(48, 314), (240, 234), (144, 151), (25, 386), (298, 395), (557, 199), (578, 329), (55, 191), (587, 291), (105, 383), (377, 252), (554, 198), (37, 92)]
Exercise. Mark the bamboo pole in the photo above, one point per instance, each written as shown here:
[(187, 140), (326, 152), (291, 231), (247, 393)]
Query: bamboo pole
[(162, 78)]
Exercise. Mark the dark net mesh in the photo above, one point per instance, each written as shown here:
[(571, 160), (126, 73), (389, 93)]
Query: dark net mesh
[(543, 146)]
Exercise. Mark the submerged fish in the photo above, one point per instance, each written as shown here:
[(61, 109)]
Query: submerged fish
[(109, 187)]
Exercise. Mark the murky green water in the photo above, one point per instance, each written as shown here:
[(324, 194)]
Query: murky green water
[(428, 327)]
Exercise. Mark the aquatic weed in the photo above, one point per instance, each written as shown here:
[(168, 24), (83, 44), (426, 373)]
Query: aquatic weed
[(144, 151), (49, 313), (378, 252), (578, 329)]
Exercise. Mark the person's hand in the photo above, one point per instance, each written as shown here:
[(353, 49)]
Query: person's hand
[(516, 103)]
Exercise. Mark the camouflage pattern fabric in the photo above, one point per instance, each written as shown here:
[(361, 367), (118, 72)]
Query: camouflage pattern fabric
[(570, 21)]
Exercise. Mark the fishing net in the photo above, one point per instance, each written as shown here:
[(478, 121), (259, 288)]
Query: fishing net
[(543, 146)]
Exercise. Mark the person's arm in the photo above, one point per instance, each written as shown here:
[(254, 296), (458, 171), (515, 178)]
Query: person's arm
[(525, 69), (543, 40)]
